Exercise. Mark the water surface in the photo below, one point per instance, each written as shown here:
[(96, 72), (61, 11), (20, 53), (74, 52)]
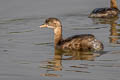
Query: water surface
[(27, 52)]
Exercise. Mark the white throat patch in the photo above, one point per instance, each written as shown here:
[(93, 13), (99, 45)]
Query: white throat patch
[(50, 27)]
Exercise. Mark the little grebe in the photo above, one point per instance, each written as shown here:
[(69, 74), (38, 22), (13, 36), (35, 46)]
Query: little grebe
[(78, 42), (111, 12)]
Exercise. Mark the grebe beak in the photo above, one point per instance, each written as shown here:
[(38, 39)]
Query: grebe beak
[(43, 25)]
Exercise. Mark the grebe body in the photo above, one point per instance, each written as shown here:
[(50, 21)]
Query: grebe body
[(84, 42), (111, 12), (81, 42)]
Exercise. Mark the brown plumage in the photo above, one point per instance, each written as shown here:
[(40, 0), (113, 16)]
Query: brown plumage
[(111, 12), (78, 42)]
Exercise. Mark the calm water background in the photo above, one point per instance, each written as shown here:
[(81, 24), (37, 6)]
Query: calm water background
[(27, 52)]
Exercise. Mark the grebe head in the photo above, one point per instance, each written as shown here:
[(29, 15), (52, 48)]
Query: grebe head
[(54, 24), (51, 23), (113, 4)]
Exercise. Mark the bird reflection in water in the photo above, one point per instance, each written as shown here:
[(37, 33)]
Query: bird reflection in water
[(56, 63), (114, 28), (115, 33)]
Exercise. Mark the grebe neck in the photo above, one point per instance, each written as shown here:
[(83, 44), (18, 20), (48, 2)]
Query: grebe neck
[(57, 35), (113, 4)]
